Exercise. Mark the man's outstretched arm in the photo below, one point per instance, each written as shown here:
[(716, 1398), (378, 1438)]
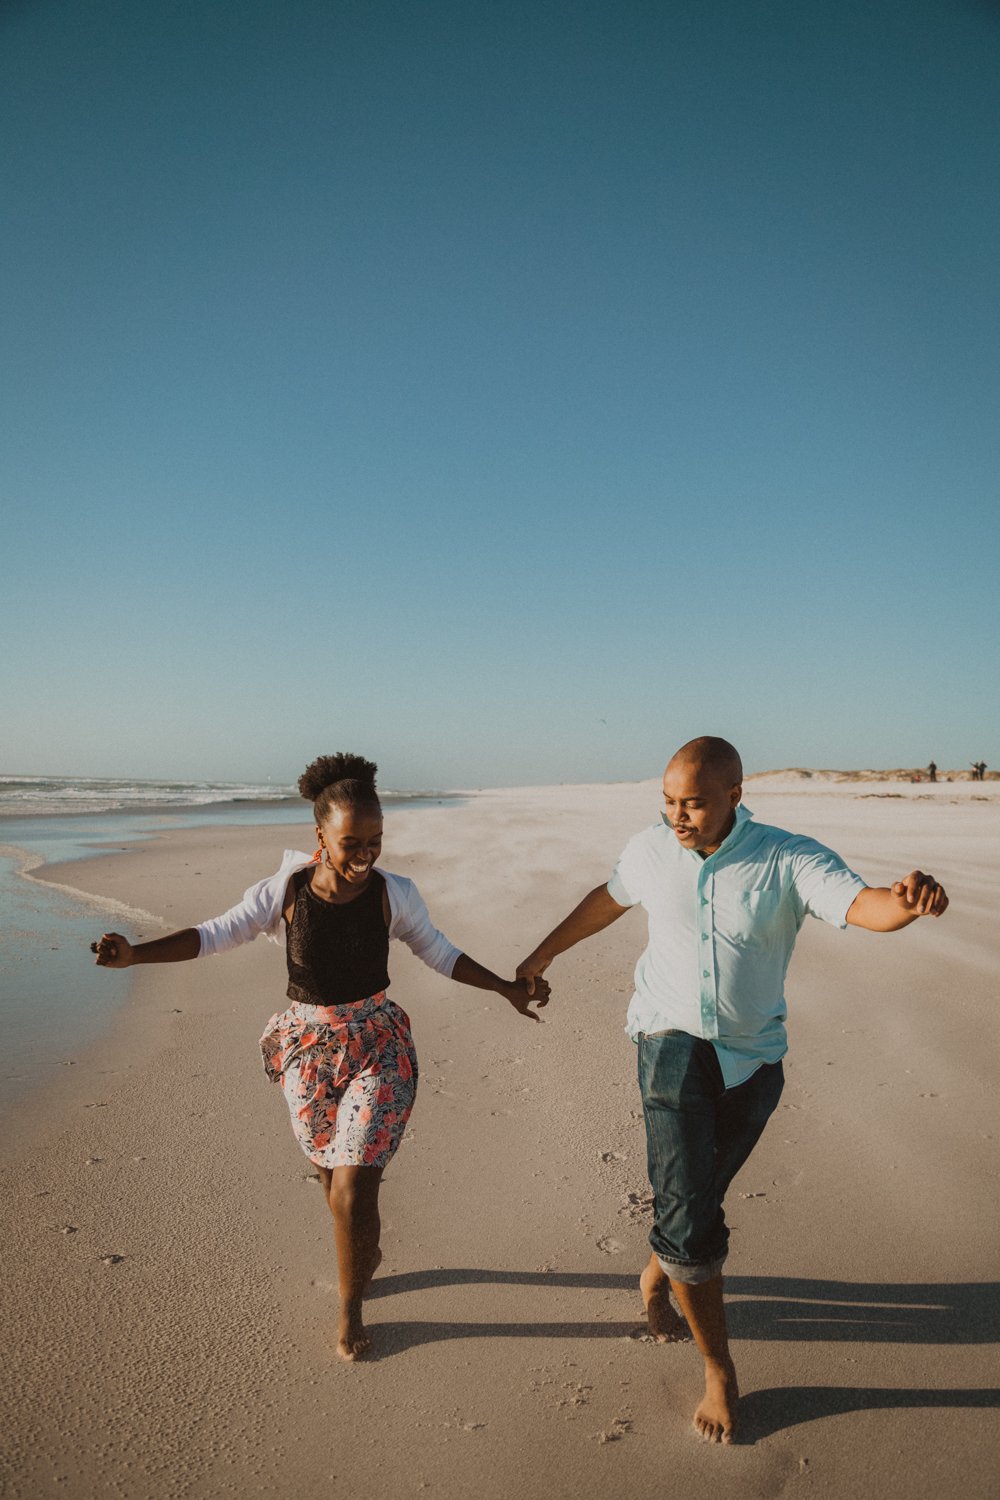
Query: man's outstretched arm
[(595, 912), (888, 908)]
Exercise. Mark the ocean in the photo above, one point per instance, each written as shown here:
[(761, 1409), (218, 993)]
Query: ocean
[(48, 796), (49, 985)]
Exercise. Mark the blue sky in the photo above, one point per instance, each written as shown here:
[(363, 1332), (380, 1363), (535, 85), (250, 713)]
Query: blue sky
[(508, 392)]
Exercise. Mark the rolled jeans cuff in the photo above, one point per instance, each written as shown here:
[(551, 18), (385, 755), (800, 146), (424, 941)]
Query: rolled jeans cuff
[(692, 1275)]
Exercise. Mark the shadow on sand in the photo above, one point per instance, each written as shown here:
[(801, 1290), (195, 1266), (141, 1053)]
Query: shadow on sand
[(763, 1413), (758, 1307), (761, 1307)]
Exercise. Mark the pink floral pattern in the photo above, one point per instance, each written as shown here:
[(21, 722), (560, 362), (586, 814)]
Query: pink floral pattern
[(349, 1076)]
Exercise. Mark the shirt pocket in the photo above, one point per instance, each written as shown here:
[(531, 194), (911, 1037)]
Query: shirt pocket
[(748, 918)]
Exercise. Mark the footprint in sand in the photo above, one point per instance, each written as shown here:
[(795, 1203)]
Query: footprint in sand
[(610, 1245), (619, 1427), (579, 1395), (110, 1260), (612, 1156), (637, 1205)]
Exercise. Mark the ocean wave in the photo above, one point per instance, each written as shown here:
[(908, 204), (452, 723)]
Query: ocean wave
[(43, 796), (20, 795)]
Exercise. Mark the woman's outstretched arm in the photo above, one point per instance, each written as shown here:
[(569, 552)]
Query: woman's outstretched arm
[(116, 952), (467, 971)]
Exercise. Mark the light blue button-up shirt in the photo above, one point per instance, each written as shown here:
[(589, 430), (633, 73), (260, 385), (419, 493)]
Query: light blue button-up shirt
[(722, 930)]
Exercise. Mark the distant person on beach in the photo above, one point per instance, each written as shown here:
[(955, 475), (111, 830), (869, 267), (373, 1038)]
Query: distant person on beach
[(725, 898), (932, 772), (978, 770), (342, 1051)]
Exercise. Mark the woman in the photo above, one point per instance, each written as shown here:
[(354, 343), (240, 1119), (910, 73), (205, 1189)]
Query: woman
[(342, 1050)]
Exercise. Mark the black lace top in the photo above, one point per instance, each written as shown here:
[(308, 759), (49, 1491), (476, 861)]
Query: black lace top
[(336, 954)]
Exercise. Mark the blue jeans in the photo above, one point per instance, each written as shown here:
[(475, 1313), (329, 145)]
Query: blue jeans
[(698, 1135)]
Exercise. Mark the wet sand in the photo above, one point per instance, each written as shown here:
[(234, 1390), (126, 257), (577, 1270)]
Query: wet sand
[(169, 1273)]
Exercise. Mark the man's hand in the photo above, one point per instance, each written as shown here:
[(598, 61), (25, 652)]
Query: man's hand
[(521, 997), (529, 972), (920, 894), (888, 908)]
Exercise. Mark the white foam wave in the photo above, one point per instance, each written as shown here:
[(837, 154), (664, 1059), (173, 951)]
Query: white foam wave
[(27, 863), (33, 795)]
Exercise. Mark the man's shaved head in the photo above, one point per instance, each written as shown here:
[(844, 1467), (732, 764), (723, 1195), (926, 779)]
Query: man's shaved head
[(718, 757), (702, 787)]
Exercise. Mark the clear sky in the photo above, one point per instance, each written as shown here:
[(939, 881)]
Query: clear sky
[(507, 391)]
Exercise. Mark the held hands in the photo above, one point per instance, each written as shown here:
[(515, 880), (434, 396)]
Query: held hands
[(920, 894), (113, 951), (529, 972), (520, 997)]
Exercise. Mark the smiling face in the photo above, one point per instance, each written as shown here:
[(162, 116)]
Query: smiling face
[(352, 839), (699, 805)]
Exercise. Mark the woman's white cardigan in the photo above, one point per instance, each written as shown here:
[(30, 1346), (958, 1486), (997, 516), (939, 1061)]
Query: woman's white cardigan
[(260, 911)]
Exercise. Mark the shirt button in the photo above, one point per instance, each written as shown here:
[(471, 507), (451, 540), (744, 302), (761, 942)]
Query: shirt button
[(704, 973), (704, 900), (704, 937)]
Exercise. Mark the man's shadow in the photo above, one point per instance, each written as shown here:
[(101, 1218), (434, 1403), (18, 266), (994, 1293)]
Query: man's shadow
[(758, 1308)]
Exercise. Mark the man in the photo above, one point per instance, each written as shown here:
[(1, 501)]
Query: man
[(725, 898)]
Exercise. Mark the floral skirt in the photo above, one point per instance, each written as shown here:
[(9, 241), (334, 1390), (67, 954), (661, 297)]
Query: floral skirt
[(349, 1075)]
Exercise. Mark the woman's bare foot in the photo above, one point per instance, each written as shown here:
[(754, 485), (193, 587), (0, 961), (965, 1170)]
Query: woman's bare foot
[(665, 1324), (715, 1419), (353, 1339)]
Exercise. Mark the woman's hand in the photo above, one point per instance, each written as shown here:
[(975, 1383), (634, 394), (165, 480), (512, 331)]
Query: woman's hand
[(113, 951), (521, 998)]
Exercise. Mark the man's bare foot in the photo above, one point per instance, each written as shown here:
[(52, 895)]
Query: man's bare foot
[(715, 1419), (665, 1324), (353, 1339)]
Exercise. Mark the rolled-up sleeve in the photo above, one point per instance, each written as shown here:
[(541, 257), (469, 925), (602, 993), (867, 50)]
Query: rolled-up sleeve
[(411, 923)]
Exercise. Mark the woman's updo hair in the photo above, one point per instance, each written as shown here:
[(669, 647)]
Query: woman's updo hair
[(339, 781)]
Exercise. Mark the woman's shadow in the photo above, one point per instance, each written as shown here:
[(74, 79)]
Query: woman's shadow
[(758, 1308)]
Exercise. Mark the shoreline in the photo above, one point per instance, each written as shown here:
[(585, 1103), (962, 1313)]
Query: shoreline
[(45, 913), (514, 1219)]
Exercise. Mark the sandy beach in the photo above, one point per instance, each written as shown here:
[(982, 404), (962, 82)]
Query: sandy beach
[(169, 1294)]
